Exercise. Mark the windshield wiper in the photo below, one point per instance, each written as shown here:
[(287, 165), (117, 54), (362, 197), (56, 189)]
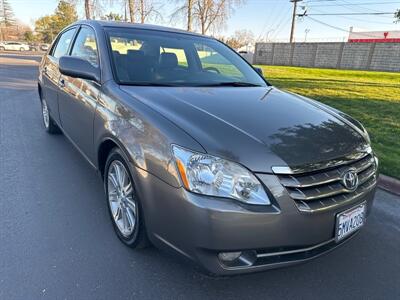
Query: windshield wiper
[(233, 83)]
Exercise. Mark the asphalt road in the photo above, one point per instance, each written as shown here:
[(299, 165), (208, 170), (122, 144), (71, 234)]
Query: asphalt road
[(57, 242)]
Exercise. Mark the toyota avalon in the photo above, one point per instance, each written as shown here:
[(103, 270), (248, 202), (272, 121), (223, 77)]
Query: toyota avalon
[(199, 153)]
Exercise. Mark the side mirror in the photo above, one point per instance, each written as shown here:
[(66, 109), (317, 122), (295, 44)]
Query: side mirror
[(259, 71), (79, 68)]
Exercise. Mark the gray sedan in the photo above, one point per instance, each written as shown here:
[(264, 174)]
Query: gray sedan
[(199, 153)]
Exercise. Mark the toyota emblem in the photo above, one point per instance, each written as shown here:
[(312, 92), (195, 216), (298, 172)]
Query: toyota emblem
[(350, 180)]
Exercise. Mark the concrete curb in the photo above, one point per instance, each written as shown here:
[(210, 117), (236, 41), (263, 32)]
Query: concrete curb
[(389, 184), (23, 53)]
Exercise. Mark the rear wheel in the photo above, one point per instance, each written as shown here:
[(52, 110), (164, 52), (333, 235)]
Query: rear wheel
[(123, 203), (2, 48), (50, 126), (21, 49)]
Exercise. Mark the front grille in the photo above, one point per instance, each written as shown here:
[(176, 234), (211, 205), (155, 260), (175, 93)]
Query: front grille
[(323, 189)]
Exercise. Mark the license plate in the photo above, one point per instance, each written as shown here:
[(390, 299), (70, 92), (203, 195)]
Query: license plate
[(349, 221)]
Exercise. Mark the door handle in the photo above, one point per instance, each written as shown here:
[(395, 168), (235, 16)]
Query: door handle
[(61, 82)]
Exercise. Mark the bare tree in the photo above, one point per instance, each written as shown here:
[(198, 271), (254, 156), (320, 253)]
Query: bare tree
[(92, 7), (184, 11), (147, 10), (206, 14), (87, 10), (132, 10), (244, 37), (189, 14), (209, 14)]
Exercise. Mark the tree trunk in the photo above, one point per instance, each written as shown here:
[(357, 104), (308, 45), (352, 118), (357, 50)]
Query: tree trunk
[(189, 15), (142, 12), (131, 4), (87, 9)]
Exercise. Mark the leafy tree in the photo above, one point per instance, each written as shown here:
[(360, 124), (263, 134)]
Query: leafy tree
[(44, 27), (49, 26), (65, 14), (29, 36), (397, 15)]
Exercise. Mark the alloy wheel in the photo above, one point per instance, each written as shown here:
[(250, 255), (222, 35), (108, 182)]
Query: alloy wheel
[(121, 198), (45, 113)]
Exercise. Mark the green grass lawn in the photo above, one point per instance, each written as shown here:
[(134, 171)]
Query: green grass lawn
[(371, 97)]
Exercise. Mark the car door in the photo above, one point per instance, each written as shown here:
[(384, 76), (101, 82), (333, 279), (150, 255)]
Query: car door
[(78, 97), (10, 46), (51, 74)]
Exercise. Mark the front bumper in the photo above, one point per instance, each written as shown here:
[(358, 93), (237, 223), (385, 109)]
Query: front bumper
[(200, 227)]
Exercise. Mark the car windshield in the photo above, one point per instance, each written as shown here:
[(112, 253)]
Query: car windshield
[(150, 57)]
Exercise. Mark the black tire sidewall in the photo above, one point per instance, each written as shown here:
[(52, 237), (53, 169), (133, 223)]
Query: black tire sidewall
[(135, 238)]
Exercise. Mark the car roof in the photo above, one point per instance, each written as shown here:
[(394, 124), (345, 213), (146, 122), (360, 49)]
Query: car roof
[(98, 23)]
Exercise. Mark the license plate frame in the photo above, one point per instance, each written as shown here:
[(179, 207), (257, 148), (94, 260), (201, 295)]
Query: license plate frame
[(355, 224)]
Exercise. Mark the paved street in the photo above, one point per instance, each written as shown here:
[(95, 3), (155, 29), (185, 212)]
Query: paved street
[(57, 242)]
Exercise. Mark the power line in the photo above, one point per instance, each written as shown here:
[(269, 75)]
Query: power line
[(353, 4), (359, 5), (338, 28), (270, 21), (282, 19), (345, 14), (355, 19)]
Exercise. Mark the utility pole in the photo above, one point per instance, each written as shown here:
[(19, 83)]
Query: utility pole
[(293, 19)]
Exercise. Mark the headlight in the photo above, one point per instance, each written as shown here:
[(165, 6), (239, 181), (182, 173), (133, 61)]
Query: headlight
[(209, 175)]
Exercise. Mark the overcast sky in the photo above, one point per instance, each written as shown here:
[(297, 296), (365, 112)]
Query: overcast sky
[(264, 17)]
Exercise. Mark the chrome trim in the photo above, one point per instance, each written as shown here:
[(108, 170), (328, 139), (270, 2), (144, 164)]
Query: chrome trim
[(329, 194), (325, 208), (323, 190), (295, 251), (281, 170), (315, 167), (293, 182)]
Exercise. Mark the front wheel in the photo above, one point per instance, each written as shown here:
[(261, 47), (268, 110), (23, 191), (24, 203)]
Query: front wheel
[(21, 49), (123, 203), (2, 48)]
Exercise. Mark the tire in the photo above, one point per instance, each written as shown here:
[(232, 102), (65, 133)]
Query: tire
[(2, 48), (21, 49), (49, 125), (121, 201)]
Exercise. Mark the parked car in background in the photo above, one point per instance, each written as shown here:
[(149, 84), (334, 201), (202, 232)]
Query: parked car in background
[(33, 47), (14, 46), (44, 47), (200, 154)]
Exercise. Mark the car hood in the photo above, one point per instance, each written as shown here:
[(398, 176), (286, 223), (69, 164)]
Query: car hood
[(260, 127)]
